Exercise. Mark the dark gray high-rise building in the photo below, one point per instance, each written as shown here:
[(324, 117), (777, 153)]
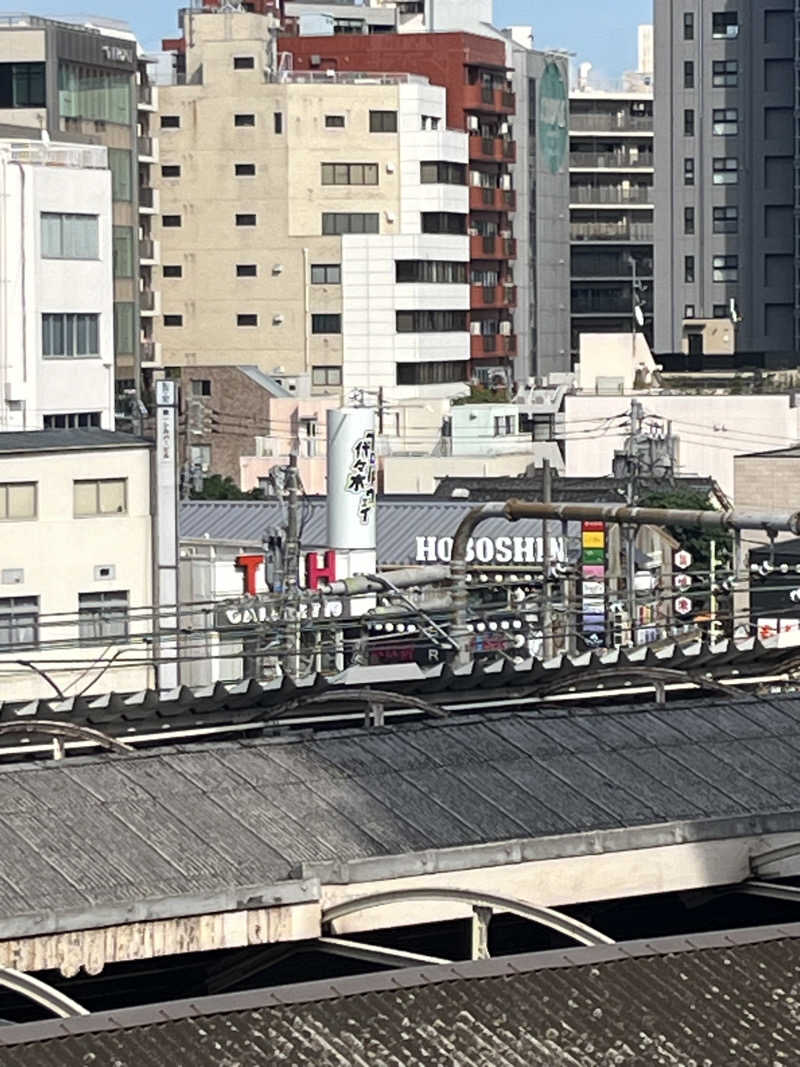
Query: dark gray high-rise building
[(725, 182)]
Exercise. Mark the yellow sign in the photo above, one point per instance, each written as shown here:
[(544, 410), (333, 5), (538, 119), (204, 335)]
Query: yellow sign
[(594, 539)]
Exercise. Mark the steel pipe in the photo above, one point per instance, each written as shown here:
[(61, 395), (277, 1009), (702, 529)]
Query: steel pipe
[(406, 578)]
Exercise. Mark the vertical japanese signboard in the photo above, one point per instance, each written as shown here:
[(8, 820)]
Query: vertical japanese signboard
[(593, 587)]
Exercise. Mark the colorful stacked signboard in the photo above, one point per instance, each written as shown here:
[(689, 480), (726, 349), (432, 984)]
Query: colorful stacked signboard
[(593, 572)]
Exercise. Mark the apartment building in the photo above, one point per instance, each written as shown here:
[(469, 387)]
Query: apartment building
[(726, 150), (56, 287), (311, 224), (85, 82), (611, 209)]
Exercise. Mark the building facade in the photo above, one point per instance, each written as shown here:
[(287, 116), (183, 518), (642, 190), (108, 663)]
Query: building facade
[(82, 83), (611, 210), (56, 287), (726, 160)]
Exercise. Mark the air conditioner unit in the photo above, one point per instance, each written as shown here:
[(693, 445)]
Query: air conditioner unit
[(475, 329), (473, 122), (390, 216), (277, 320), (505, 329), (390, 168)]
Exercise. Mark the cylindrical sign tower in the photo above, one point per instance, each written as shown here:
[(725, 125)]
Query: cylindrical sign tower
[(352, 486)]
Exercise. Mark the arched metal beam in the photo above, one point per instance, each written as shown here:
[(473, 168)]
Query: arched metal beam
[(64, 729), (616, 671), (554, 920), (40, 993), (775, 855), (357, 696)]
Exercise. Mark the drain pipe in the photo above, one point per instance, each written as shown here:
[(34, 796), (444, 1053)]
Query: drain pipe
[(512, 510)]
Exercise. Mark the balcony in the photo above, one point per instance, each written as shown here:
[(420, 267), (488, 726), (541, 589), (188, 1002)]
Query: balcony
[(148, 200), (148, 251), (612, 194), (147, 149), (621, 159), (490, 345), (491, 199), (493, 296), (492, 247), (148, 302), (146, 98), (611, 231), (150, 352), (492, 149), (485, 98), (618, 122)]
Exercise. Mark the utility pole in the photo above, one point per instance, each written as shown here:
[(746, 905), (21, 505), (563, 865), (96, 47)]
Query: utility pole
[(293, 567), (547, 606)]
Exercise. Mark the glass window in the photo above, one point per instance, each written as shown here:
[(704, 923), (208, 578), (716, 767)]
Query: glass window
[(244, 120), (688, 26), (19, 622), (124, 315), (170, 122), (726, 219), (67, 335), (326, 323), (688, 311), (246, 270), (432, 373), (22, 85), (688, 122), (334, 122), (383, 122), (201, 387), (244, 62), (171, 170), (18, 500), (172, 270), (326, 376), (326, 274), (726, 170), (171, 222), (349, 173), (102, 614), (443, 173), (94, 93), (432, 270), (123, 252), (688, 171), (277, 121), (72, 420), (688, 220), (724, 24), (725, 268), (120, 165), (247, 319), (688, 74), (430, 321), (337, 222), (725, 73), (688, 269), (443, 222), (173, 320), (245, 220), (107, 496), (70, 236), (725, 121), (244, 170)]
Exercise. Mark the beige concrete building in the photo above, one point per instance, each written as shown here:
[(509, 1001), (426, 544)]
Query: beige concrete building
[(312, 225)]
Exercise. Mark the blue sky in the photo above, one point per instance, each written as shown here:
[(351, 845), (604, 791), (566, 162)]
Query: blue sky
[(603, 31)]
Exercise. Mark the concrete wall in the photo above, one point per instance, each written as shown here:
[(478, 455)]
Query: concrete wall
[(768, 482)]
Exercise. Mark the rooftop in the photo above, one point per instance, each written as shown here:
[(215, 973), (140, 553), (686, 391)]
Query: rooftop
[(20, 442), (711, 998), (41, 154)]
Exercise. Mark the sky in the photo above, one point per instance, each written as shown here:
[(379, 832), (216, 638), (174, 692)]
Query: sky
[(602, 31)]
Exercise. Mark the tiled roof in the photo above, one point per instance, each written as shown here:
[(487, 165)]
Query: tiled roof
[(73, 440), (713, 999), (116, 832)]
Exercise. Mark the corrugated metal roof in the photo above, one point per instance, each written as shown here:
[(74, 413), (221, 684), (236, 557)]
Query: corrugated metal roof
[(75, 440), (400, 522), (118, 831), (711, 999)]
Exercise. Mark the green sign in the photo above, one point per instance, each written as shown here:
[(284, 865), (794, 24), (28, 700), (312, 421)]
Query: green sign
[(553, 118)]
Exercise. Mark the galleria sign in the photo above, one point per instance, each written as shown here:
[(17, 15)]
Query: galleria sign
[(492, 550)]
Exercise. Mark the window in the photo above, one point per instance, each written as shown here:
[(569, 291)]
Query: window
[(724, 24), (349, 173), (247, 319), (19, 621), (105, 496), (74, 420), (688, 269), (170, 122), (383, 122), (102, 615), (688, 26), (22, 85), (720, 311), (123, 328), (87, 92), (688, 220), (430, 270), (200, 457), (432, 373), (171, 170), (244, 62), (244, 120), (688, 311), (726, 219), (246, 270), (335, 222), (430, 321), (172, 270), (277, 121), (173, 320), (69, 236), (244, 170), (504, 425), (326, 274), (326, 376), (725, 268), (123, 252), (120, 165), (67, 335), (688, 74), (725, 121), (443, 222), (430, 122), (334, 122), (688, 122), (726, 170), (201, 387), (170, 221), (725, 73), (443, 173), (688, 171), (245, 220), (18, 500), (326, 323)]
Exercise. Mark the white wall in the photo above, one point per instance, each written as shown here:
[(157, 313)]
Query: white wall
[(31, 387), (58, 553), (474, 430), (712, 430)]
